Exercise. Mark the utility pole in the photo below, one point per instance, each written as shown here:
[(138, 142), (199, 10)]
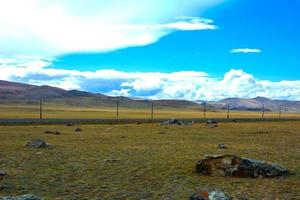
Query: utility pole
[(228, 110), (118, 102), (204, 109), (152, 110), (279, 111), (41, 109), (263, 112)]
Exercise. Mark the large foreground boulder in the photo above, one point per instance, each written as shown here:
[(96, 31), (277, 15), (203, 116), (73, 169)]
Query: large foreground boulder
[(231, 165), (212, 195), (23, 197), (37, 143)]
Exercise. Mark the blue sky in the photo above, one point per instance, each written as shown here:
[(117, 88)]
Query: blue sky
[(267, 25), (176, 49)]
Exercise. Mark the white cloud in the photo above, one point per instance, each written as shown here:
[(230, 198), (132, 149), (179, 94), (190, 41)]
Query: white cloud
[(54, 27), (191, 85), (246, 50)]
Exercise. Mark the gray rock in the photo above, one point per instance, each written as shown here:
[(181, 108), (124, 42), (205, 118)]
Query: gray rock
[(23, 197), (176, 122), (212, 126), (231, 165), (222, 146), (2, 173), (4, 187), (78, 130), (37, 143), (52, 132), (210, 121), (212, 195), (218, 195), (112, 160)]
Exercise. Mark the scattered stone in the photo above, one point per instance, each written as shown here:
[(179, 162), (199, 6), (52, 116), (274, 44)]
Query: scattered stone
[(233, 166), (78, 130), (139, 123), (212, 195), (123, 136), (112, 160), (176, 122), (52, 132), (2, 173), (4, 187), (222, 146), (24, 197), (211, 123), (161, 133), (37, 143), (69, 124)]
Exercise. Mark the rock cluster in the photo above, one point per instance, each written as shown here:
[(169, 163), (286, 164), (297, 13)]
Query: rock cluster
[(222, 146), (37, 143), (176, 122), (23, 197), (212, 195), (231, 165), (211, 123), (52, 132)]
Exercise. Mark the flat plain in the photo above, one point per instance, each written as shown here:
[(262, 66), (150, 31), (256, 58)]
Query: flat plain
[(62, 112), (145, 161)]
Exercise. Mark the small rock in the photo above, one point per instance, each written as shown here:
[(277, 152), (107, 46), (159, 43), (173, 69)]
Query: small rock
[(161, 133), (52, 132), (212, 195), (78, 130), (37, 143), (69, 124), (2, 173), (222, 146), (3, 187), (24, 197), (212, 125), (112, 160), (210, 121), (231, 165)]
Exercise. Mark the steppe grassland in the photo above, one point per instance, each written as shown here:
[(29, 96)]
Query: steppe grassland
[(145, 161)]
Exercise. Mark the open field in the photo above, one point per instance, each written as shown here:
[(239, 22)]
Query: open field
[(52, 111), (147, 165)]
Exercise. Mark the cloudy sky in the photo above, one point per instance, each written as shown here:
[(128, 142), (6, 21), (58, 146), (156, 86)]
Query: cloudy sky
[(195, 49)]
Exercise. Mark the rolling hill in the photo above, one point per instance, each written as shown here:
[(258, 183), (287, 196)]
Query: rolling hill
[(12, 92), (20, 93)]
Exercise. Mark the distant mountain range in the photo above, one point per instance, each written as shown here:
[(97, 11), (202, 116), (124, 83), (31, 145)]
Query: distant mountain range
[(12, 92), (256, 104)]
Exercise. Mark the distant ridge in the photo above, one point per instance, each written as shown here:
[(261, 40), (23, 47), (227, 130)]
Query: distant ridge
[(11, 92)]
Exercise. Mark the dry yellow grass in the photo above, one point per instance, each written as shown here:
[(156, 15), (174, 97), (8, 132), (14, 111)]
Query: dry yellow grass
[(148, 165), (21, 111)]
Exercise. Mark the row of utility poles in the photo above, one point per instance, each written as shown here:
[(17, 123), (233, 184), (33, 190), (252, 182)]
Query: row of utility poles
[(228, 111), (152, 110)]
